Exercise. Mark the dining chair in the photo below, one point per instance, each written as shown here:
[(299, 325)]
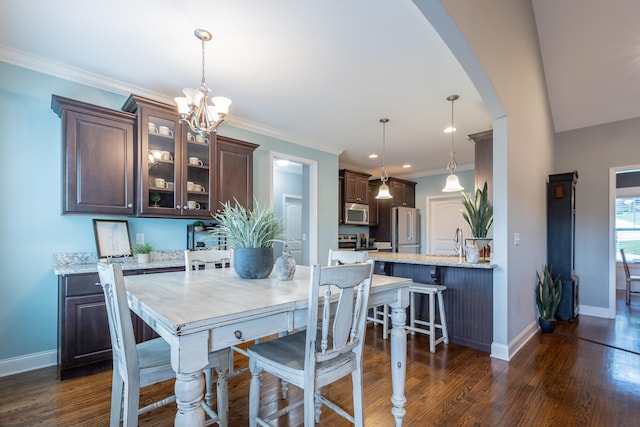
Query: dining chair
[(321, 355), (207, 258), (629, 279), (149, 362), (378, 315)]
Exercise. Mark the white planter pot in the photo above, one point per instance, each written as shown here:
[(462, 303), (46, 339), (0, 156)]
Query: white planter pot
[(143, 258)]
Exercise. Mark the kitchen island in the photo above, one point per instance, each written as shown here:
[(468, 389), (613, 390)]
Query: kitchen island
[(468, 299)]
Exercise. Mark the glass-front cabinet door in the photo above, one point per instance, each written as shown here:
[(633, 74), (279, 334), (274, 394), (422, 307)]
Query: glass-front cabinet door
[(162, 158), (197, 174)]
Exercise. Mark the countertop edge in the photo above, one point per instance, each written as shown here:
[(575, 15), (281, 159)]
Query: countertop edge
[(421, 259)]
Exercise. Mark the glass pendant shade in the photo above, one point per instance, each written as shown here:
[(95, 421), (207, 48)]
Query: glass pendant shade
[(383, 192), (452, 184)]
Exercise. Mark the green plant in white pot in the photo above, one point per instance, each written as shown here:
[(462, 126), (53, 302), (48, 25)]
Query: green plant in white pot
[(144, 252), (251, 234)]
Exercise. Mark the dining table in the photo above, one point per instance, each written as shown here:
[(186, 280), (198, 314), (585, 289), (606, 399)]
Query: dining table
[(198, 312)]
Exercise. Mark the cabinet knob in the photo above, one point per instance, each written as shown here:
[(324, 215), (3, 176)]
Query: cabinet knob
[(178, 207), (238, 334), (130, 205)]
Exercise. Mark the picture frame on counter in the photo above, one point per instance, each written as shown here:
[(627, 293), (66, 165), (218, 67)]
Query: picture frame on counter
[(112, 238)]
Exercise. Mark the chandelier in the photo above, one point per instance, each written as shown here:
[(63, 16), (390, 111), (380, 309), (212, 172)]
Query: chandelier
[(202, 117), (383, 191), (452, 184)]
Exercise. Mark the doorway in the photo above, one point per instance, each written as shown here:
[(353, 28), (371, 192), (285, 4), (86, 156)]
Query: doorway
[(293, 199), (443, 218)]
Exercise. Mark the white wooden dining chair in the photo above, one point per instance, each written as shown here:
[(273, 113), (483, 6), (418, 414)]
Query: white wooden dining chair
[(378, 315), (315, 357), (209, 258), (629, 279), (149, 362)]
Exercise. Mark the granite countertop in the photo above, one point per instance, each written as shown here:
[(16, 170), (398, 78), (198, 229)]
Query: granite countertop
[(442, 260), (85, 262)]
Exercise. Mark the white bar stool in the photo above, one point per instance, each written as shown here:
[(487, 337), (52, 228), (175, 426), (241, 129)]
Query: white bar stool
[(431, 325)]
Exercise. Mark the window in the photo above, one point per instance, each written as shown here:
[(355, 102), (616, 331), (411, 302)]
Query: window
[(628, 228)]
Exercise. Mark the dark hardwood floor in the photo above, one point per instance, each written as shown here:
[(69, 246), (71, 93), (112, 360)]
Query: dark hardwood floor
[(584, 374)]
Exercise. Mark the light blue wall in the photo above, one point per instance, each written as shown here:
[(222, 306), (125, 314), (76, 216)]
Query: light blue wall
[(432, 186), (32, 228)]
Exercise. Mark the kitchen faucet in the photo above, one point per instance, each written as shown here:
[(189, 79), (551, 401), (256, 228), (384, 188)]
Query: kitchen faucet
[(458, 243)]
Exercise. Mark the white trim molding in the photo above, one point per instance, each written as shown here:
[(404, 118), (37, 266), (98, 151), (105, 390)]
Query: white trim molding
[(28, 362)]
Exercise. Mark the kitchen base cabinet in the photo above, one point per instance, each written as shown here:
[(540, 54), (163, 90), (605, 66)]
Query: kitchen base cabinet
[(84, 343)]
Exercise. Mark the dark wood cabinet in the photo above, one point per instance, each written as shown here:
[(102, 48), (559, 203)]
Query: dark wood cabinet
[(97, 158), (561, 229), (84, 343), (234, 171), (356, 186), (483, 163), (374, 185), (340, 200), (403, 192), (174, 176)]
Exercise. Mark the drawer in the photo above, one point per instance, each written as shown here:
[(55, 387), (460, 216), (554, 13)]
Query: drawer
[(81, 284), (237, 333)]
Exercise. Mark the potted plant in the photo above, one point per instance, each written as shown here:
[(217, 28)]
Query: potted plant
[(479, 215), (548, 293), (143, 252), (198, 226), (251, 234)]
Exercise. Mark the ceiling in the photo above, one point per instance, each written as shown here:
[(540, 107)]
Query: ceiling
[(322, 74)]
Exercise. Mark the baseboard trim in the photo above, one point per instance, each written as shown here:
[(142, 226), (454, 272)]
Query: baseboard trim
[(506, 352), (28, 362), (589, 310)]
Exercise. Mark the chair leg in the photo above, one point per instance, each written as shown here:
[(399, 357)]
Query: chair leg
[(385, 325), (208, 380), (116, 398), (443, 319), (131, 402), (222, 390), (412, 312), (358, 410), (254, 393), (309, 406), (432, 322), (628, 292)]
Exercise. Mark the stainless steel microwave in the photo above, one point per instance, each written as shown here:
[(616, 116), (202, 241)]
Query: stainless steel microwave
[(356, 214)]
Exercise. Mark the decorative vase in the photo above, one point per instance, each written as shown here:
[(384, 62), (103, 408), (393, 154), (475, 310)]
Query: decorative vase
[(143, 258), (286, 265), (472, 254), (253, 263), (547, 325)]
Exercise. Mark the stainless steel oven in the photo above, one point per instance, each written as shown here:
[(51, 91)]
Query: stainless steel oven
[(356, 214)]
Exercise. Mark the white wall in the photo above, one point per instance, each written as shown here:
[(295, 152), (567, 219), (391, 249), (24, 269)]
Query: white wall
[(500, 52), (593, 151)]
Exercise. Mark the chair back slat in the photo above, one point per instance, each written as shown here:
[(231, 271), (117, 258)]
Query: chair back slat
[(123, 342), (347, 257), (208, 257), (627, 273), (345, 290)]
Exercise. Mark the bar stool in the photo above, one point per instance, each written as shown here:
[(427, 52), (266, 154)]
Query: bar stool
[(431, 325)]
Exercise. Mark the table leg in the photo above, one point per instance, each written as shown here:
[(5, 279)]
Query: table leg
[(189, 389), (398, 361)]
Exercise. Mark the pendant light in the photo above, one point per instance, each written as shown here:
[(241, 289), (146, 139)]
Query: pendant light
[(452, 184), (195, 110), (383, 191)]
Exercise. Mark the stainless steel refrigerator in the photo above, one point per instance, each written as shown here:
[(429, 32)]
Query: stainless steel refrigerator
[(405, 232)]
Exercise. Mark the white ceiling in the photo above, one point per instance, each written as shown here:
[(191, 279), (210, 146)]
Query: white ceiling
[(323, 73)]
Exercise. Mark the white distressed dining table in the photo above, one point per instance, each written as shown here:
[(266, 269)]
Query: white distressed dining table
[(202, 311)]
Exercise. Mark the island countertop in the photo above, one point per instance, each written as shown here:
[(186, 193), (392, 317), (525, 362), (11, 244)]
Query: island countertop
[(441, 260)]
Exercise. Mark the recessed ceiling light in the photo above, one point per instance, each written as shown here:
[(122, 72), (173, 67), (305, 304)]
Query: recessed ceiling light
[(406, 166), (448, 130), (373, 156)]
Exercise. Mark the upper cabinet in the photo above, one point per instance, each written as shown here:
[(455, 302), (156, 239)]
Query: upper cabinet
[(145, 162), (234, 165), (356, 186), (484, 161), (97, 158), (403, 192)]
